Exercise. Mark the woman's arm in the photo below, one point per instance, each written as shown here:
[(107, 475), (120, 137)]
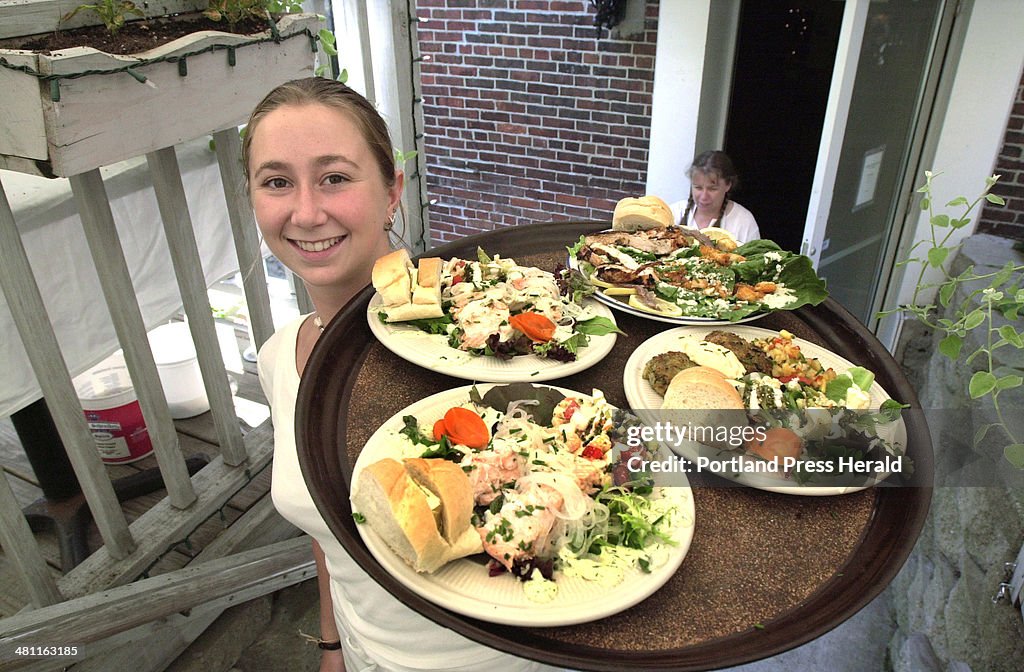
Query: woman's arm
[(330, 661)]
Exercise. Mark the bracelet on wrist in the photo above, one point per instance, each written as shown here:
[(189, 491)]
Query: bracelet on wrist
[(322, 644)]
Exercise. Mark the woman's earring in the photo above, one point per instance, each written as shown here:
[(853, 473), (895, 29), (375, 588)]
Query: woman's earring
[(390, 223)]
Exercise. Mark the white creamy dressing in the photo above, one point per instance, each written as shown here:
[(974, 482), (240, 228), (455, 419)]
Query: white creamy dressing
[(780, 298), (481, 318), (712, 355)]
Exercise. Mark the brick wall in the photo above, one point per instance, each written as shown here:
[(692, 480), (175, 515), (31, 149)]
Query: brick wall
[(528, 116), (1008, 221)]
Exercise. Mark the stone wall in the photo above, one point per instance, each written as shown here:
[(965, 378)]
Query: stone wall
[(943, 597)]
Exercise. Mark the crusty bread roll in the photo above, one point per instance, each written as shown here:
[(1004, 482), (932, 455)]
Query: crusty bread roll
[(401, 286), (701, 400), (395, 503), (398, 511), (412, 311), (641, 214), (451, 485), (427, 290), (701, 387), (392, 277)]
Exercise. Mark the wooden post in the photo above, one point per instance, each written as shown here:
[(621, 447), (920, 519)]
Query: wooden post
[(243, 227), (116, 282), (188, 269), (19, 545), (400, 97), (36, 331)]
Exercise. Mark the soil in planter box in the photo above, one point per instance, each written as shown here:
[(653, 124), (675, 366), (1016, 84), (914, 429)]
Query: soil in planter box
[(134, 37)]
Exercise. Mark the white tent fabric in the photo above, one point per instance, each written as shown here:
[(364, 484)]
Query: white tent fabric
[(51, 232)]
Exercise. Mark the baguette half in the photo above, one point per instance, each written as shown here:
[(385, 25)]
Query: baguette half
[(392, 277), (425, 530)]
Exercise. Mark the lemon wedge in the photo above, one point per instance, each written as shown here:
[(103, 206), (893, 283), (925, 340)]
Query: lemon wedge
[(620, 291), (662, 307), (600, 283)]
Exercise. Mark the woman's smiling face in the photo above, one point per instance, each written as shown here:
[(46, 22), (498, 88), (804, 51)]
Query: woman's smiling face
[(319, 196)]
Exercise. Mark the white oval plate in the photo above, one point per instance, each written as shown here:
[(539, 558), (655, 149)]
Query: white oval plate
[(641, 396), (619, 303), (464, 586), (431, 351)]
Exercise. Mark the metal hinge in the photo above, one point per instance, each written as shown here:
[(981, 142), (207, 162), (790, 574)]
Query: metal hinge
[(1011, 588)]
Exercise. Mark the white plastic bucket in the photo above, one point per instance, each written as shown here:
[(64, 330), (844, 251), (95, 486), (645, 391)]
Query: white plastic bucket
[(176, 362), (112, 411)]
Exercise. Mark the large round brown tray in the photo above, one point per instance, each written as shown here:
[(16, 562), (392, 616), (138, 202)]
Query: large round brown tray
[(765, 573)]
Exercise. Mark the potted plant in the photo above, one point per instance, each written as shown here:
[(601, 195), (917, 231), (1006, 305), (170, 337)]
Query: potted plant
[(70, 110)]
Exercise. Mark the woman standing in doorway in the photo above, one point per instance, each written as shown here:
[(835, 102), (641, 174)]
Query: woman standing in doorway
[(712, 178), (325, 189)]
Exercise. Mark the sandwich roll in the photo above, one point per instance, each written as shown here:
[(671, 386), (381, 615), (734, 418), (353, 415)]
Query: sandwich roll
[(412, 311), (450, 484), (420, 508), (641, 214), (408, 292), (427, 289), (392, 277)]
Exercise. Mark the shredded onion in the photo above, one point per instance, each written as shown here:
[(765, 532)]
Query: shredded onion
[(575, 504)]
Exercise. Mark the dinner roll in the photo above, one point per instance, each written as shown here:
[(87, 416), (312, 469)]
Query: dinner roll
[(641, 214)]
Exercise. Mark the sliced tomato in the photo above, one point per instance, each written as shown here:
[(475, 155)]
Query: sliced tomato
[(592, 452)]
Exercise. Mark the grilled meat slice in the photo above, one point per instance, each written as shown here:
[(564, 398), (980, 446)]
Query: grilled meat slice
[(662, 368), (752, 357)]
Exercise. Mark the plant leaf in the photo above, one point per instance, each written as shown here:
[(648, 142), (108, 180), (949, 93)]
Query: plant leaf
[(1003, 276), (974, 319), (959, 200), (982, 382), (1009, 382), (940, 221), (925, 203), (979, 435), (1010, 334), (992, 198), (1014, 454), (946, 293), (960, 223), (937, 255), (950, 346)]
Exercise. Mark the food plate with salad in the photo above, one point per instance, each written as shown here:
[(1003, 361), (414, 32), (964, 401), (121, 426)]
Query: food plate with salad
[(487, 319), (823, 425), (563, 533), (684, 276)]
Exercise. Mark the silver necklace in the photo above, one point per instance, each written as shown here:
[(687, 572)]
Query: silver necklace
[(318, 322)]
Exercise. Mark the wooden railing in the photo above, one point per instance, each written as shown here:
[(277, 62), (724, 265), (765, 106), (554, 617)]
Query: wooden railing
[(103, 600), (129, 550)]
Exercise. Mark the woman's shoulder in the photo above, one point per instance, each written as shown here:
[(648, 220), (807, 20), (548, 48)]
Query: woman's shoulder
[(738, 211), (283, 339)]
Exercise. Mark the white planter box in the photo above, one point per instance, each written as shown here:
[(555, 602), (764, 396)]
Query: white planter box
[(97, 119)]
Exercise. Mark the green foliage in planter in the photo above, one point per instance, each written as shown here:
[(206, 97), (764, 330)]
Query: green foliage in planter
[(999, 292), (113, 13)]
